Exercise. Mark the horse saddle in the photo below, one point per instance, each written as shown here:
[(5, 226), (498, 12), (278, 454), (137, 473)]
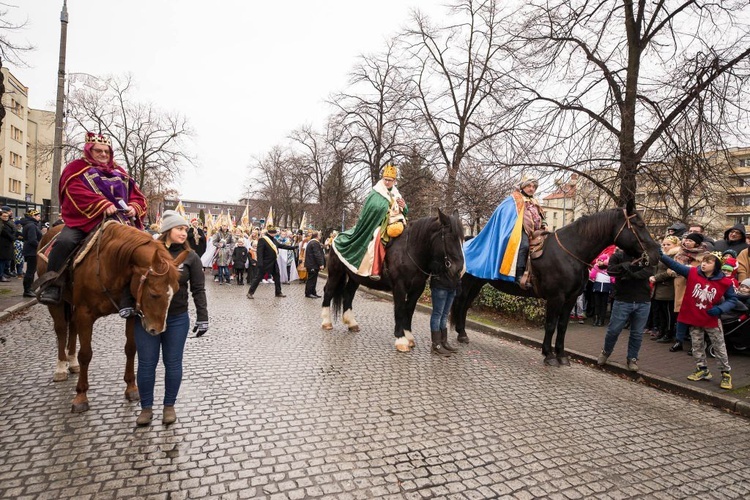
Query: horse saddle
[(75, 258), (536, 243)]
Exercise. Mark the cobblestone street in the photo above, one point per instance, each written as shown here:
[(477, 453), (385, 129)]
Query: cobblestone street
[(272, 406)]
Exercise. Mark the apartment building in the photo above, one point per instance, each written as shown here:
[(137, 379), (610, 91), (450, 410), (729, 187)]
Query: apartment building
[(26, 140)]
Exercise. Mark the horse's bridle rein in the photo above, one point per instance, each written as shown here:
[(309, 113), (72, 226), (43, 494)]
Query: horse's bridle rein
[(446, 261), (628, 224), (143, 278)]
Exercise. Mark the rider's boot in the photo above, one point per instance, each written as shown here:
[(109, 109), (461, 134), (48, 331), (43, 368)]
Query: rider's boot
[(437, 345), (52, 295), (127, 304), (444, 340)]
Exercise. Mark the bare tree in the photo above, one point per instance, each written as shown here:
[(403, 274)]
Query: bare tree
[(607, 82), (459, 86), (374, 111), (479, 190), (152, 142), (10, 50)]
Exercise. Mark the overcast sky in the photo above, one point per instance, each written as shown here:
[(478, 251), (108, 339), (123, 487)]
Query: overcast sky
[(245, 73)]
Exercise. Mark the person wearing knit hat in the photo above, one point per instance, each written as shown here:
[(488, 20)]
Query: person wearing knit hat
[(695, 237), (505, 237), (31, 234), (171, 343)]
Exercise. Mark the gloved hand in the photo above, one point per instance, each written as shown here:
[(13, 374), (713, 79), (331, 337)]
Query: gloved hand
[(200, 328), (714, 311)]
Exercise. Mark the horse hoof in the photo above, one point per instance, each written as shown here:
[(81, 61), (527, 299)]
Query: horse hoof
[(563, 360), (133, 396), (353, 329), (327, 326), (551, 361), (74, 369), (412, 344), (79, 407), (402, 345), (463, 339), (60, 377)]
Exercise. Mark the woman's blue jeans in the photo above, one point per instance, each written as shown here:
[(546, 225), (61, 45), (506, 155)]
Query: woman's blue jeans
[(442, 299), (171, 343)]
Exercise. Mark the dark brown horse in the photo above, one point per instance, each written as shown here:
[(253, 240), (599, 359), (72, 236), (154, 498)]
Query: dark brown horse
[(560, 274), (121, 257)]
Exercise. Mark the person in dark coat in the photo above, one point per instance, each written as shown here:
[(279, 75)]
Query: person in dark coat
[(314, 261), (239, 259), (734, 239), (32, 234), (197, 237), (7, 237), (268, 252)]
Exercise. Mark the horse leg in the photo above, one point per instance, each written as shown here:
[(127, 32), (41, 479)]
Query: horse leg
[(84, 325), (349, 291), (399, 299), (131, 389), (408, 314), (550, 324), (333, 287), (461, 307), (562, 327), (61, 331)]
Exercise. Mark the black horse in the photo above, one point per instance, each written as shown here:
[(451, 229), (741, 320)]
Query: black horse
[(560, 274), (426, 242)]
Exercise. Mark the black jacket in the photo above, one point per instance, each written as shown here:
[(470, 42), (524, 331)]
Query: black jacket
[(631, 280), (200, 247), (314, 256), (32, 234), (239, 257), (7, 237), (737, 246), (191, 271), (266, 255)]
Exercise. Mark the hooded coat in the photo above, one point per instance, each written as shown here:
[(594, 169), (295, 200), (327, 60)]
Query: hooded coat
[(737, 246)]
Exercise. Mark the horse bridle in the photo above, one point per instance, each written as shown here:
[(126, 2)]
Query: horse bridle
[(628, 224), (142, 280), (446, 260)]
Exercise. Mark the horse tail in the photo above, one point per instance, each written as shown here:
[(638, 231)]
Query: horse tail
[(337, 278)]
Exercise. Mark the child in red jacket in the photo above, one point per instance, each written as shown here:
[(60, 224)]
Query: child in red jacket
[(701, 308)]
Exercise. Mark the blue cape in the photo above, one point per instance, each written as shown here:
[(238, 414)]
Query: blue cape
[(486, 252)]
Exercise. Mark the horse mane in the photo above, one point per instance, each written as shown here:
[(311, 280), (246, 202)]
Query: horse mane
[(127, 240), (593, 226), (427, 225)]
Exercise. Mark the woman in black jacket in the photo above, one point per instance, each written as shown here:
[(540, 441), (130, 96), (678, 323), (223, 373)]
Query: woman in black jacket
[(172, 341)]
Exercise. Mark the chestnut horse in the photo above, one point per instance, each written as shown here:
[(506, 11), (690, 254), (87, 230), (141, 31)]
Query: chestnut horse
[(122, 256)]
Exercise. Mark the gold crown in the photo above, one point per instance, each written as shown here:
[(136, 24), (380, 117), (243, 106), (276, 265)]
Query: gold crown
[(97, 138), (390, 171)]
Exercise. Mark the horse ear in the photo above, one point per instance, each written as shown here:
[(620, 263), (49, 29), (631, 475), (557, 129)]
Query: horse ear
[(444, 220), (181, 258)]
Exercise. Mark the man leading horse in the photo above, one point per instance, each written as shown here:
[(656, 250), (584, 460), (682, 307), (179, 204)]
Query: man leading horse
[(383, 216), (91, 189)]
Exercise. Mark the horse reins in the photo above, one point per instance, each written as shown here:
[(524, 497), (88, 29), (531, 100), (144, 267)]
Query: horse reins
[(446, 262), (625, 224)]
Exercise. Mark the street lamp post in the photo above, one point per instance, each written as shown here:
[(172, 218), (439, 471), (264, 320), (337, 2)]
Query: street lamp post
[(57, 153)]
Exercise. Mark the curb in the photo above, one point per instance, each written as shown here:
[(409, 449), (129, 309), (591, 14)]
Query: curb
[(735, 405), (24, 304)]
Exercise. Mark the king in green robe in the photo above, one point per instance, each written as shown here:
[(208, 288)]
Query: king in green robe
[(356, 247)]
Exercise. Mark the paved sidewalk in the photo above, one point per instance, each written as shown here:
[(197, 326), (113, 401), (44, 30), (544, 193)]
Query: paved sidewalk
[(12, 299), (658, 367)]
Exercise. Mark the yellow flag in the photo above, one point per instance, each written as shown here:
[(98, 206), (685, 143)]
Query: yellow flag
[(180, 209), (269, 219)]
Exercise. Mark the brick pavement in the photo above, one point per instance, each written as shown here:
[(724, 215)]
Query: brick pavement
[(273, 407)]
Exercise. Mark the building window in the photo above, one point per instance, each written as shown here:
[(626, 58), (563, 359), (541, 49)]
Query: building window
[(15, 160), (16, 108), (201, 205), (14, 186), (743, 162), (186, 205), (216, 207), (16, 134)]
